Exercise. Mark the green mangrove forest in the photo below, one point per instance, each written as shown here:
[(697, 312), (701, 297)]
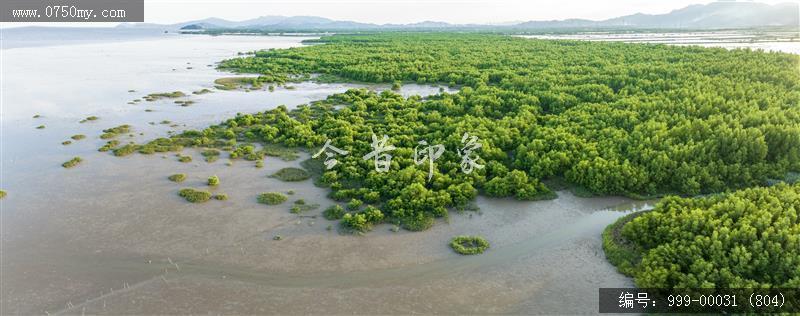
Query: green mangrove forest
[(601, 117), (746, 239)]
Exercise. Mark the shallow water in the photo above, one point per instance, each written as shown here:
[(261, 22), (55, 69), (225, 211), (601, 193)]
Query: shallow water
[(777, 41), (111, 236)]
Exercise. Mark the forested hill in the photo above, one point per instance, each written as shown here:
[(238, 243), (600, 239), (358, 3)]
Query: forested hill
[(610, 117)]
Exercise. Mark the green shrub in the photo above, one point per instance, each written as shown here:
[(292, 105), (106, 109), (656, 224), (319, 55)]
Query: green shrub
[(374, 215), (418, 222), (362, 221), (109, 145), (2, 194), (178, 177), (355, 222), (333, 212), (66, 142), (271, 198), (182, 102), (300, 206), (213, 181), (469, 245), (72, 162), (185, 159), (161, 145), (282, 152), (40, 127), (291, 174), (221, 197), (247, 152), (171, 95), (260, 164), (211, 155), (125, 150), (89, 119), (115, 131), (232, 83), (78, 137), (194, 195), (354, 205)]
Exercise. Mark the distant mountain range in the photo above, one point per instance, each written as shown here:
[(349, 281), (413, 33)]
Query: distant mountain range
[(715, 15)]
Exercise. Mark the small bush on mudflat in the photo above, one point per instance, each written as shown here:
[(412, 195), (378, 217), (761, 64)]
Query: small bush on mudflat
[(211, 155), (221, 197), (469, 245), (417, 222), (363, 221), (354, 205), (2, 194), (291, 174), (194, 195), (89, 119), (161, 145), (78, 137), (185, 159), (284, 153), (300, 206), (109, 146), (115, 131), (213, 181), (271, 198), (155, 96), (125, 150), (72, 162), (333, 212), (178, 177)]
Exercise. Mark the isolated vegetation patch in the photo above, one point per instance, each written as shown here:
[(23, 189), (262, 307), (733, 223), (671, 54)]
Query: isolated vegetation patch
[(291, 174), (194, 195), (178, 177), (271, 198), (72, 162), (469, 245)]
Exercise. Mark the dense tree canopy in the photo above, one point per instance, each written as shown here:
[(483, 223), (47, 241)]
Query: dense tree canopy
[(747, 239), (613, 118)]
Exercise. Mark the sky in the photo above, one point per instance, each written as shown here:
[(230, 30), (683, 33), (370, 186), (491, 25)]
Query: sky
[(403, 11)]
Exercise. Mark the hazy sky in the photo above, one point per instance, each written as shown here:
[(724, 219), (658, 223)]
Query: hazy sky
[(406, 11)]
